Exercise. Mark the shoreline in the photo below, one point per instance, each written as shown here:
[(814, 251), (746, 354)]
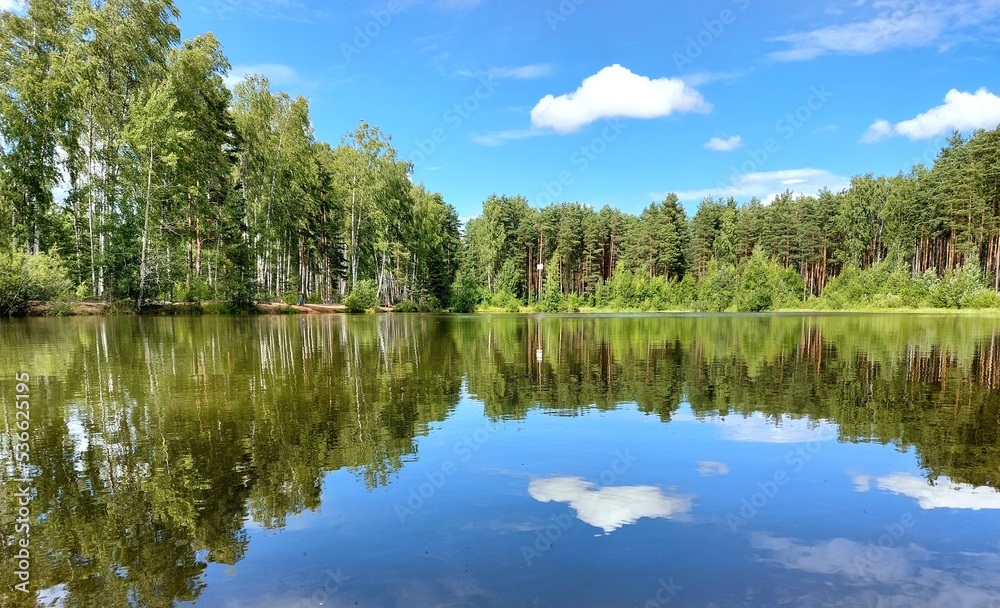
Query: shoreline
[(92, 308)]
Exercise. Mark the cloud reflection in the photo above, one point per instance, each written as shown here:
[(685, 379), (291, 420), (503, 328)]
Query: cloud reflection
[(944, 494), (880, 575), (710, 468), (609, 508)]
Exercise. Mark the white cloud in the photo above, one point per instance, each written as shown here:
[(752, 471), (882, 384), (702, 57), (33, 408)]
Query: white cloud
[(457, 5), (894, 25), (725, 145), (864, 38), (523, 72), (880, 129), (881, 571), (499, 138), (612, 507), (960, 111), (767, 185), (944, 494), (520, 72), (616, 92), (710, 468), (757, 428), (12, 6), (276, 73)]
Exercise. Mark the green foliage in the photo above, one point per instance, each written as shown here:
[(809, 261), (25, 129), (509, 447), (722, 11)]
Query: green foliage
[(505, 300), (30, 278), (960, 288), (406, 306), (363, 297), (195, 290), (759, 284), (552, 299), (717, 289), (465, 293), (430, 304)]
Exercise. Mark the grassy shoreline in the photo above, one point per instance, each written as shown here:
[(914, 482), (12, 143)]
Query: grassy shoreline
[(97, 308)]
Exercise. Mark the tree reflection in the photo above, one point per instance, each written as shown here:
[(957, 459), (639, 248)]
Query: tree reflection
[(154, 441)]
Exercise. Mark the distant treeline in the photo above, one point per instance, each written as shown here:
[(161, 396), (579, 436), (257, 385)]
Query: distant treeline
[(130, 172), (927, 238)]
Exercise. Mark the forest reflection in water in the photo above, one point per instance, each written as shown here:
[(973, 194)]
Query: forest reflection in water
[(157, 444)]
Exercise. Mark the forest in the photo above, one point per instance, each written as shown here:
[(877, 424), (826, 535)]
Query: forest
[(132, 174)]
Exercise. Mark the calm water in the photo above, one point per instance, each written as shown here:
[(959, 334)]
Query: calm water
[(505, 461)]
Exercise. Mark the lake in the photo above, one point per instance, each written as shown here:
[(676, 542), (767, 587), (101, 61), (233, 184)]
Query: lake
[(420, 460)]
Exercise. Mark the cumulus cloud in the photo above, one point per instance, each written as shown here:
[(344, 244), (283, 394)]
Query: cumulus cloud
[(769, 184), (609, 508), (616, 92), (893, 25), (276, 73), (725, 145), (11, 5), (944, 494), (959, 112)]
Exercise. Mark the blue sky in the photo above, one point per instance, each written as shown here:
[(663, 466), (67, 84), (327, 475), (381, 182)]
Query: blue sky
[(622, 102)]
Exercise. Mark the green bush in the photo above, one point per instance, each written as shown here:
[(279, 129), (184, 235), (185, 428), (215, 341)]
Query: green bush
[(717, 289), (29, 278), (984, 298), (406, 306), (465, 293), (430, 304), (195, 291), (758, 284), (506, 300), (364, 297)]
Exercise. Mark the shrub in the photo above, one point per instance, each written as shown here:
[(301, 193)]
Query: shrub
[(984, 298), (406, 306), (758, 285), (552, 299), (465, 294), (363, 297), (717, 289), (27, 278), (430, 304), (506, 300), (197, 290)]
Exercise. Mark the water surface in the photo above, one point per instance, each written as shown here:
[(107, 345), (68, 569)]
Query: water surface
[(507, 461)]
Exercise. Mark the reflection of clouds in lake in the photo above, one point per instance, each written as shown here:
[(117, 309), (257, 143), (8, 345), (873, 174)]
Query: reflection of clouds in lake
[(945, 494), (710, 468), (903, 575), (609, 508), (757, 428)]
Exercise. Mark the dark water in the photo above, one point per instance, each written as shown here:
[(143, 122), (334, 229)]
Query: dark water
[(506, 461)]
